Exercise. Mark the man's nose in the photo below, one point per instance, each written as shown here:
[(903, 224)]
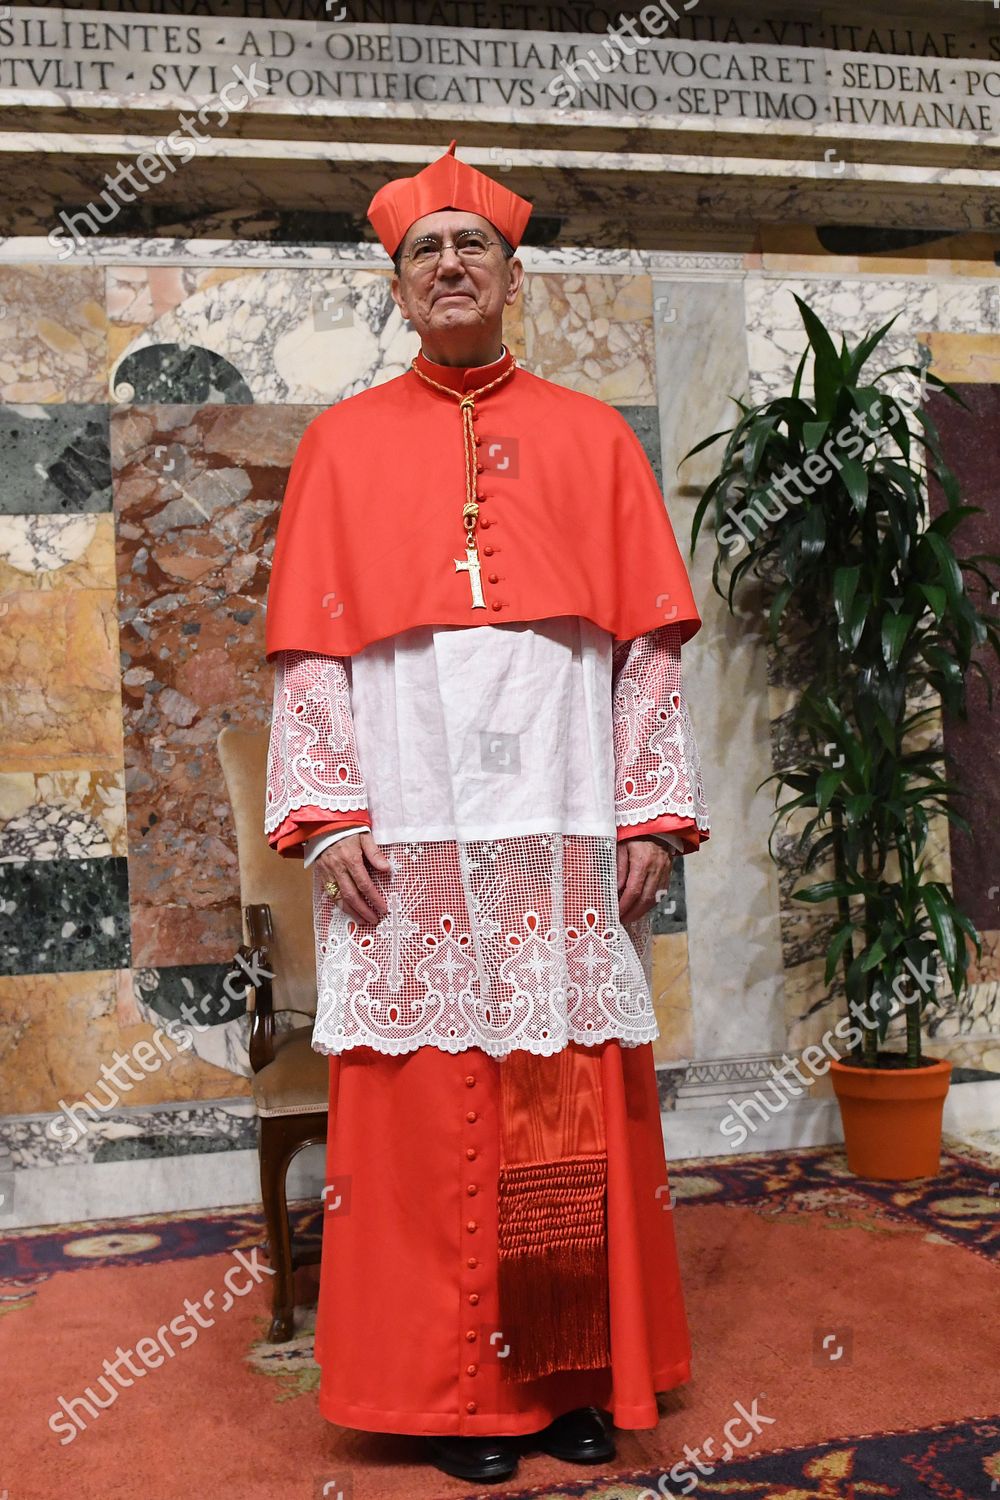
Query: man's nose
[(450, 260)]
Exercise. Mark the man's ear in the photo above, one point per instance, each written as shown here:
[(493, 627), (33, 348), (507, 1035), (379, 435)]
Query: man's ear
[(516, 278), (397, 295)]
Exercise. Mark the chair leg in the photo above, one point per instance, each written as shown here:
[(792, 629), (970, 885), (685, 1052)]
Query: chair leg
[(274, 1159)]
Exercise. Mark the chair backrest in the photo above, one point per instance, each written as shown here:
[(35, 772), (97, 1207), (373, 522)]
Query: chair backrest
[(266, 876)]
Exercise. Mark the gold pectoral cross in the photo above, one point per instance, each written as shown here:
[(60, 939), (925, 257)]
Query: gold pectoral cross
[(471, 566)]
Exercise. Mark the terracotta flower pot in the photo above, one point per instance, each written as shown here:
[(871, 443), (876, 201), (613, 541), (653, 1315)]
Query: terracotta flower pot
[(892, 1118)]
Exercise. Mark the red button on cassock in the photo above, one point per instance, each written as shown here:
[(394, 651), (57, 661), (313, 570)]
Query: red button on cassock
[(474, 1298), (472, 1153), (497, 604), (471, 1336), (471, 1226), (472, 1117), (472, 1190), (470, 1407), (471, 1369), (470, 1080)]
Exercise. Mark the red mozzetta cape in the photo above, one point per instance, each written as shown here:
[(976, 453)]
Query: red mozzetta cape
[(571, 519)]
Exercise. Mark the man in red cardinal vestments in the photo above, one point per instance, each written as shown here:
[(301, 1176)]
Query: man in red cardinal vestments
[(481, 746)]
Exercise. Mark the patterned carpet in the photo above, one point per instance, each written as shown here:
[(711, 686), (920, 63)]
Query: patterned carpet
[(957, 1461), (856, 1321)]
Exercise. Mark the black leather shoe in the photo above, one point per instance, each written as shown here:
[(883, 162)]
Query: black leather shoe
[(482, 1458), (579, 1437)]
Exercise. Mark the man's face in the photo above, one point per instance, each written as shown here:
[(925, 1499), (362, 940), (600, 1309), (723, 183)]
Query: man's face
[(455, 296)]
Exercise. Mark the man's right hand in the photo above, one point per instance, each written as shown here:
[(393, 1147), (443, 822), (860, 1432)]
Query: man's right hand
[(344, 862)]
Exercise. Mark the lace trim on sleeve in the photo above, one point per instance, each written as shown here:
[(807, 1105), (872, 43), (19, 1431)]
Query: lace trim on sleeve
[(312, 758), (657, 765)]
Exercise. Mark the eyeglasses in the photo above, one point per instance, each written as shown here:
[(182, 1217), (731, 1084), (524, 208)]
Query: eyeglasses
[(470, 245)]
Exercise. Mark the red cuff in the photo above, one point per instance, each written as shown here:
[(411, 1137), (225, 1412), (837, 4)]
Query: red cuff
[(685, 828), (308, 822)]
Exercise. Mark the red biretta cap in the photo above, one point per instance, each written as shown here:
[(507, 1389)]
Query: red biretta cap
[(446, 183)]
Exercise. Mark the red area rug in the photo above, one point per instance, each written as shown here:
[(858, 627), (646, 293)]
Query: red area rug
[(845, 1346)]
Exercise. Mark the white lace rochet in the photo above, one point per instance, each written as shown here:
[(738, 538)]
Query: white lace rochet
[(500, 942)]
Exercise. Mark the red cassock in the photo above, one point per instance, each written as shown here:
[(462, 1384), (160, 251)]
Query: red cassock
[(408, 1307), (409, 1333)]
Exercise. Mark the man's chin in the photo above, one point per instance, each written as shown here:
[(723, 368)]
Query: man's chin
[(454, 319)]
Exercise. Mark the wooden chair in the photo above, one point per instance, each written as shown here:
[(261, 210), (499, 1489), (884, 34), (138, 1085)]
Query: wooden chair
[(290, 1081)]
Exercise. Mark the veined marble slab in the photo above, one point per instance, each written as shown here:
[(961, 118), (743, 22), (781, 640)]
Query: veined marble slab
[(131, 250), (125, 1134)]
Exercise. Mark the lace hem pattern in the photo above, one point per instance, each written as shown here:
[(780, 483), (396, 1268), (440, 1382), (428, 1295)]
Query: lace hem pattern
[(500, 944), (401, 1049)]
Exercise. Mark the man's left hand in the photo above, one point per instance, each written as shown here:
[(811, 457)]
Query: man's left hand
[(644, 868)]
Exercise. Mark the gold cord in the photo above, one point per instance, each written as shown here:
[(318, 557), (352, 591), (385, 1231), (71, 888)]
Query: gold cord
[(466, 406)]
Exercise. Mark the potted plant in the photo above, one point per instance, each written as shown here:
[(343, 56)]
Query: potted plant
[(822, 505)]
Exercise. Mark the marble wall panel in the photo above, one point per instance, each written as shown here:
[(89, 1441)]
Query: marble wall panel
[(197, 494), (982, 1054), (48, 551), (296, 336), (966, 358), (672, 1000), (592, 333), (53, 334), (61, 722), (59, 680), (775, 334), (731, 884), (54, 459), (63, 915), (132, 1133), (210, 1001), (58, 1030), (62, 815), (140, 295)]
